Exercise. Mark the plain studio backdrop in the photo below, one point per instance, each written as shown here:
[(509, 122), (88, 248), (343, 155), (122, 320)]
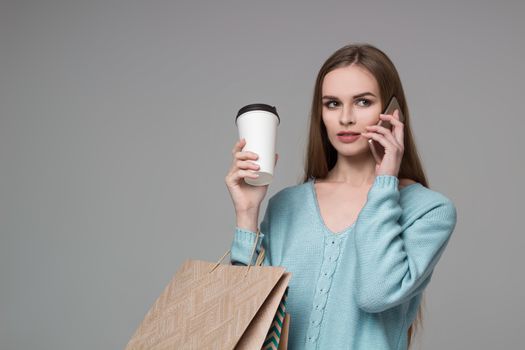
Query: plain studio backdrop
[(116, 131)]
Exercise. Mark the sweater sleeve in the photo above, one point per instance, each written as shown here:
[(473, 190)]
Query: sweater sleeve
[(244, 240), (395, 264)]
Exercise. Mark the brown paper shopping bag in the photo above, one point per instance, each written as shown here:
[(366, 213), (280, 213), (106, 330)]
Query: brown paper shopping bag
[(215, 306)]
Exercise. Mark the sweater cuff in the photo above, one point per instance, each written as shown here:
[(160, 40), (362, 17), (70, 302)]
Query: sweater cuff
[(242, 245), (386, 182)]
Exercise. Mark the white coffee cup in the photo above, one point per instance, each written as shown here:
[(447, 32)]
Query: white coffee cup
[(257, 123)]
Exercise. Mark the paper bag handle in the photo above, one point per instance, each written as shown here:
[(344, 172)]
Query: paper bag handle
[(258, 262)]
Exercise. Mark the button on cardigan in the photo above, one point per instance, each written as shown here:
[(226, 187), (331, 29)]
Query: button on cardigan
[(358, 289)]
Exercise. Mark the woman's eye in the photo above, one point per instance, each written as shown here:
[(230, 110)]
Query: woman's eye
[(365, 100), (328, 104)]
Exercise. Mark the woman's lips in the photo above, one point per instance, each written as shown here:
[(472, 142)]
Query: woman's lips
[(347, 138)]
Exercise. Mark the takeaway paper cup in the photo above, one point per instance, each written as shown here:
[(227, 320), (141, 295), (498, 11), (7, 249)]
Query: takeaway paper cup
[(257, 123)]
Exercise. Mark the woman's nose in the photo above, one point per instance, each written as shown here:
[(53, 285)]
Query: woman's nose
[(347, 116)]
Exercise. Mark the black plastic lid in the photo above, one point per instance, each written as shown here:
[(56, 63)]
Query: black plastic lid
[(258, 107)]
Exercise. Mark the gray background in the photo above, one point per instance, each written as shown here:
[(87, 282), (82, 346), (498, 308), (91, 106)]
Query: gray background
[(117, 123)]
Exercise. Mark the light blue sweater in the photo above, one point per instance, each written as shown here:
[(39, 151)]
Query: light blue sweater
[(359, 289)]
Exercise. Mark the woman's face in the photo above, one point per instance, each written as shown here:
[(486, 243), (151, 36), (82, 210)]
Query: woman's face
[(351, 101)]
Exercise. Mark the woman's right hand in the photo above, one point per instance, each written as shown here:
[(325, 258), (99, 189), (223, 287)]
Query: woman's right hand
[(245, 197)]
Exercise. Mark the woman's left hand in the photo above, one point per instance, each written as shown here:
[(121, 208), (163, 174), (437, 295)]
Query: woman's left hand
[(392, 141)]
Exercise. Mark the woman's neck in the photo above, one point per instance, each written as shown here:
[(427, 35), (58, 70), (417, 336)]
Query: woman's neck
[(354, 171)]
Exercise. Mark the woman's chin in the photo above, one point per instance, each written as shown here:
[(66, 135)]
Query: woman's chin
[(350, 151)]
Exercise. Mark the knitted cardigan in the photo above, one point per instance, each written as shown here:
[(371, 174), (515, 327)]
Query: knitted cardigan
[(360, 288)]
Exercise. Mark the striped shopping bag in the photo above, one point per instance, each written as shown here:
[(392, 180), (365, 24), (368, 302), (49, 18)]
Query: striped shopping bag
[(277, 337)]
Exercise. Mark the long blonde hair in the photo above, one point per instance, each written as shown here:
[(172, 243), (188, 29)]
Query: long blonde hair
[(321, 156)]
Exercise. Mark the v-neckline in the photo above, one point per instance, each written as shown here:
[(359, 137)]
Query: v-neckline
[(320, 217)]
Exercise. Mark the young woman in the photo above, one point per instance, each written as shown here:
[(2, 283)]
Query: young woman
[(361, 237)]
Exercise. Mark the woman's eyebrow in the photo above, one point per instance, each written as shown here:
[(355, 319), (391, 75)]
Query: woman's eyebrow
[(356, 96)]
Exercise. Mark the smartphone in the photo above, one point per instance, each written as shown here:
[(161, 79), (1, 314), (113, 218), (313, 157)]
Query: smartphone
[(377, 149)]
